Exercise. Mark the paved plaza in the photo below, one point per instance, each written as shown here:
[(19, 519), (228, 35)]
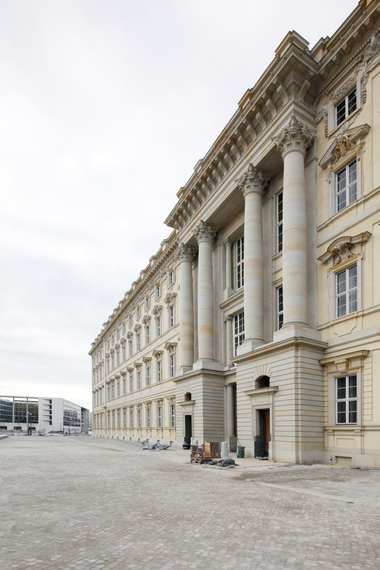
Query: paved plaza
[(86, 503)]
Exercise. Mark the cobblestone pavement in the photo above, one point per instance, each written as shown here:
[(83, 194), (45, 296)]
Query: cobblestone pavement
[(85, 503)]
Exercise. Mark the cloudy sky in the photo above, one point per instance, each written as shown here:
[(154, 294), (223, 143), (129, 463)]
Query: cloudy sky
[(106, 106)]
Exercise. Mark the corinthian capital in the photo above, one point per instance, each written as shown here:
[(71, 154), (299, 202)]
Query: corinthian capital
[(295, 136), (204, 232), (185, 252), (253, 180)]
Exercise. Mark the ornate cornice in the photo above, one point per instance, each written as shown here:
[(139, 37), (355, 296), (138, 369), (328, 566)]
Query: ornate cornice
[(294, 137), (204, 232), (253, 180)]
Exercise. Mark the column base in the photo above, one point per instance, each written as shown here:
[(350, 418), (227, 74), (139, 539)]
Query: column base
[(208, 365), (291, 331)]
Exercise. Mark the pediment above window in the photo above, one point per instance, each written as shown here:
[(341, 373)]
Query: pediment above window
[(157, 309), (340, 249), (146, 319), (345, 142), (170, 299)]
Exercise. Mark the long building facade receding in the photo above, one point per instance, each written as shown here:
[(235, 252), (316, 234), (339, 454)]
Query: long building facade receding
[(258, 320)]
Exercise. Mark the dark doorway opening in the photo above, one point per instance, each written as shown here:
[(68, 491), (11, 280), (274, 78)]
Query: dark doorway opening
[(188, 432), (263, 437)]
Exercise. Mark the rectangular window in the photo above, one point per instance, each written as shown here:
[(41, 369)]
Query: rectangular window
[(346, 107), (159, 371), (280, 307), (346, 400), (117, 358), (118, 389), (346, 186), (138, 341), (131, 382), (130, 321), (346, 291), (158, 291), (172, 415), (112, 362), (171, 278), (147, 303), (159, 416), (124, 353), (148, 417), (117, 334), (118, 418), (239, 334), (108, 365), (240, 263), (130, 349), (172, 365), (113, 391), (171, 316), (147, 334), (158, 325), (138, 312), (131, 418), (138, 379), (124, 419), (124, 386), (139, 417), (148, 375), (123, 328), (279, 221)]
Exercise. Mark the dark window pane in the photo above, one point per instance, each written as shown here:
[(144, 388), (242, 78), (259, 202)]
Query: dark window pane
[(352, 102), (341, 201), (340, 112), (342, 180), (352, 387), (341, 282)]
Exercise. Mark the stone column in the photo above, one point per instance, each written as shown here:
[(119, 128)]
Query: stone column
[(292, 142), (186, 316), (228, 289), (252, 184), (229, 346), (205, 234)]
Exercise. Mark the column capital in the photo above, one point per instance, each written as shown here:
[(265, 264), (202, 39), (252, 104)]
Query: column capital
[(204, 232), (228, 318), (253, 180), (227, 242), (295, 136), (185, 252)]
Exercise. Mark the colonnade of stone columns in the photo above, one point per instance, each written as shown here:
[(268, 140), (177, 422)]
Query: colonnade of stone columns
[(292, 142)]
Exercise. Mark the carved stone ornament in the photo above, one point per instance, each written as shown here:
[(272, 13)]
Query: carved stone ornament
[(295, 136), (146, 320), (170, 347), (185, 252), (170, 299), (157, 309), (374, 47), (204, 232), (340, 249), (253, 180), (137, 364), (323, 116), (345, 142), (157, 354), (137, 328), (129, 334), (146, 359)]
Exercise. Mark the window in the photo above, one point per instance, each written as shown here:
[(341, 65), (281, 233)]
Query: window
[(158, 325), (172, 365), (118, 389), (346, 291), (159, 416), (108, 365), (123, 328), (139, 418), (159, 371), (240, 263), (131, 382), (124, 419), (147, 334), (172, 415), (138, 341), (171, 316), (148, 417), (138, 312), (117, 334), (148, 375), (130, 321), (131, 418), (279, 221), (171, 278), (147, 303), (112, 362), (138, 379), (346, 400), (117, 358), (130, 350), (158, 291), (346, 186), (124, 385), (280, 307), (239, 335), (346, 107), (124, 353), (118, 418)]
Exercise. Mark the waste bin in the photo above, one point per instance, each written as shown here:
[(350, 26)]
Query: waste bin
[(240, 452)]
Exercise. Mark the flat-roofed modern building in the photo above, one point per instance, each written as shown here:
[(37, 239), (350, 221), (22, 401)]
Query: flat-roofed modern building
[(43, 415), (258, 320)]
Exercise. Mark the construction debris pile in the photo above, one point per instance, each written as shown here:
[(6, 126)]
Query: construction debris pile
[(156, 446), (209, 454)]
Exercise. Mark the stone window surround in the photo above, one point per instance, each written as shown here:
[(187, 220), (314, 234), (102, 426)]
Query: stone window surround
[(344, 365)]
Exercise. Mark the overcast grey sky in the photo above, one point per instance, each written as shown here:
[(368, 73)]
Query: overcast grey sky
[(106, 106)]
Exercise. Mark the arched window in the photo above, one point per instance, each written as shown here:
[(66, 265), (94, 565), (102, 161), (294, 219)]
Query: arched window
[(262, 382), (187, 397)]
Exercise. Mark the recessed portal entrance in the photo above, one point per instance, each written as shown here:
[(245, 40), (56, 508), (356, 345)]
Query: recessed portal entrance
[(263, 437), (188, 428)]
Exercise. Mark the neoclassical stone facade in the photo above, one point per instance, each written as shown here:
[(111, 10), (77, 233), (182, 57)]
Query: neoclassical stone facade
[(258, 320)]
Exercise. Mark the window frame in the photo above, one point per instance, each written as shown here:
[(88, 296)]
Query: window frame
[(239, 257), (279, 307), (238, 335), (279, 221), (346, 189), (346, 102), (346, 400), (347, 291)]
